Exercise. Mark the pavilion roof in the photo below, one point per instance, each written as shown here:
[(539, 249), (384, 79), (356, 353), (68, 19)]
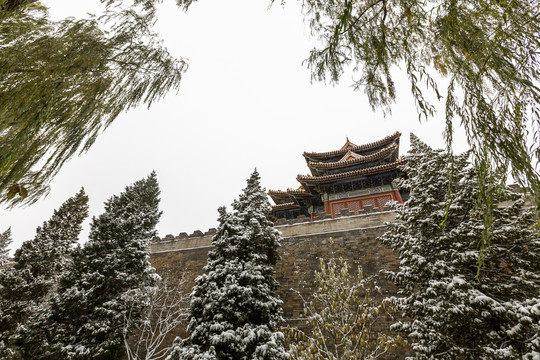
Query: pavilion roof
[(349, 146), (277, 192), (351, 159), (300, 191), (284, 206), (291, 196), (279, 196), (308, 179)]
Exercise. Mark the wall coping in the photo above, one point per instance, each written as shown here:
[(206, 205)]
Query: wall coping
[(347, 221)]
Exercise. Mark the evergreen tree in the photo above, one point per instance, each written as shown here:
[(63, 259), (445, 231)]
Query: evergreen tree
[(46, 255), (5, 240), (26, 287), (451, 312), (107, 274), (234, 313)]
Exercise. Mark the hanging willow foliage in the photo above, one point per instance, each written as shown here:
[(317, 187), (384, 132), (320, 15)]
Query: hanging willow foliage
[(488, 51), (62, 83)]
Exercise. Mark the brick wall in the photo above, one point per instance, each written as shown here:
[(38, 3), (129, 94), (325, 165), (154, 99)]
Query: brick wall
[(304, 243)]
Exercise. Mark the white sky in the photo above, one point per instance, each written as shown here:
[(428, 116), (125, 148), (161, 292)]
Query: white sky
[(245, 102)]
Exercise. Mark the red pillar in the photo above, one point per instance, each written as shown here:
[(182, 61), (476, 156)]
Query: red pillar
[(327, 208), (398, 197)]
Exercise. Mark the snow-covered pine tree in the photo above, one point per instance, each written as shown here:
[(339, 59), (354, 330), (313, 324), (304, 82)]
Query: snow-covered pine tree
[(47, 254), (113, 267), (5, 240), (450, 314), (234, 312), (26, 286)]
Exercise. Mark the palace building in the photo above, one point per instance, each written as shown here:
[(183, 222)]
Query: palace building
[(353, 177)]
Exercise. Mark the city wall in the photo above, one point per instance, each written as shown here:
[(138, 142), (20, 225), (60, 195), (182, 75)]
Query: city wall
[(353, 237)]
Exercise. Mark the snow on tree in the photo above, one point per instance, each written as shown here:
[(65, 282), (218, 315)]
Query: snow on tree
[(343, 316), (5, 240), (46, 255), (234, 313), (450, 312), (26, 286), (88, 313)]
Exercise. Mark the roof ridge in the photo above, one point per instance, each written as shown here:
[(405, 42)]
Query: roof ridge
[(366, 171), (350, 154), (396, 135), (360, 158), (348, 144), (284, 205)]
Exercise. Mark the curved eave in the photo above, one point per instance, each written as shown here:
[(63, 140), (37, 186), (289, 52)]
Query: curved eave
[(285, 206), (390, 151), (279, 196), (306, 179), (276, 192), (313, 156), (294, 192)]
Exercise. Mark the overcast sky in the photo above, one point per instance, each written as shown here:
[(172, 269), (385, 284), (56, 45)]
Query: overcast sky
[(245, 102)]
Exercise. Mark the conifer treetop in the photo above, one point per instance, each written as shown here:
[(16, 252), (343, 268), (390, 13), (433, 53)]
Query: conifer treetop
[(5, 241), (140, 197), (234, 313), (111, 271), (45, 254)]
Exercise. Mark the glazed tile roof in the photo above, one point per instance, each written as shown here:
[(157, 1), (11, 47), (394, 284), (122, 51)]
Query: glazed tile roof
[(297, 192), (348, 145), (358, 159), (355, 148), (285, 206), (349, 156), (276, 192), (350, 174)]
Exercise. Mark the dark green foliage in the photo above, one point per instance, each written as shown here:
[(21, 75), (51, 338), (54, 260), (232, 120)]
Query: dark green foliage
[(234, 312), (26, 287), (107, 276), (62, 83)]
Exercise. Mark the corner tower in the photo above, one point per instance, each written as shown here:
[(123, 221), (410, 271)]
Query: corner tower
[(352, 177)]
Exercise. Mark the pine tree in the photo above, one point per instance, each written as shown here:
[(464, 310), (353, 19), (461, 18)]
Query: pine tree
[(450, 312), (5, 240), (110, 271), (46, 255), (234, 312), (26, 286)]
